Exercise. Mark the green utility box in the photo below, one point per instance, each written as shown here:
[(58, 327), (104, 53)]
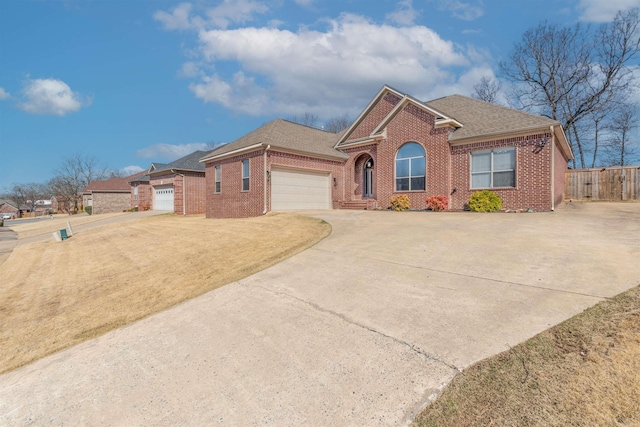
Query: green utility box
[(63, 234)]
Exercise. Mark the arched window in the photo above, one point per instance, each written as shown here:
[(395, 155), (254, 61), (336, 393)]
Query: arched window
[(410, 168)]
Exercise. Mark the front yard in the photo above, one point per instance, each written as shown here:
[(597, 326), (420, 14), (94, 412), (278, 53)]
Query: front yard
[(55, 295)]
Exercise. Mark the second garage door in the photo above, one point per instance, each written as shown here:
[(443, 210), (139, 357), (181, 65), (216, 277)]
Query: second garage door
[(163, 199), (296, 190)]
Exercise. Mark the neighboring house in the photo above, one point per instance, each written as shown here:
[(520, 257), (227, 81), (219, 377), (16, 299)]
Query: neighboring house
[(43, 206), (451, 146), (177, 187), (9, 207), (109, 195)]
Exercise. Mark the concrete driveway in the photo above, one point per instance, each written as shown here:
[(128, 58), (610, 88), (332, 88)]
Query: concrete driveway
[(362, 329)]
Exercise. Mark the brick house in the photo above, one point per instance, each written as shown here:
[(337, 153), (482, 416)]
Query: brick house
[(108, 195), (9, 207), (178, 186), (450, 146)]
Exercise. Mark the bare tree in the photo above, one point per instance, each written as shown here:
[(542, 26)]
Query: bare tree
[(28, 195), (568, 73), (336, 124), (307, 119), (73, 175), (620, 148), (487, 90)]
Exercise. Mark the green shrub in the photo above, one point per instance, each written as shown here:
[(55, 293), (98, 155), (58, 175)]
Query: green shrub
[(485, 201), (438, 203), (88, 209), (400, 202)]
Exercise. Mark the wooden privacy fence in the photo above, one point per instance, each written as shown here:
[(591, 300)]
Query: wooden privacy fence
[(607, 184)]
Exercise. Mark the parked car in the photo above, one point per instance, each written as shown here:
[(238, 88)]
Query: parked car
[(7, 216)]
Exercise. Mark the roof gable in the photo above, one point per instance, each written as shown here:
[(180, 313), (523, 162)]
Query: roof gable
[(384, 100), (382, 109), (190, 162)]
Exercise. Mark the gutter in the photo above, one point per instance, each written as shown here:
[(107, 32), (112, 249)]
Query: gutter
[(231, 153), (265, 179)]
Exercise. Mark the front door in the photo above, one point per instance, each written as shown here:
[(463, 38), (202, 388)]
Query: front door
[(368, 179)]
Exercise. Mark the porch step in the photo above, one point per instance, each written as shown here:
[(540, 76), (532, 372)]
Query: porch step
[(356, 205)]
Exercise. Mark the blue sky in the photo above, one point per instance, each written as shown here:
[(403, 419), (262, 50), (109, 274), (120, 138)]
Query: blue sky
[(135, 82)]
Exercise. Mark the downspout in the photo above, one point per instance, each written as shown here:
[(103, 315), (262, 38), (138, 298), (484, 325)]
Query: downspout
[(264, 212), (184, 195), (553, 170)]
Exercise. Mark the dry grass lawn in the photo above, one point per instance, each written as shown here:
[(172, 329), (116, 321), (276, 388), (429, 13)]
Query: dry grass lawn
[(55, 295), (48, 226), (583, 372)]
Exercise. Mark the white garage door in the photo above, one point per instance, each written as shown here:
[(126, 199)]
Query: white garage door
[(295, 190), (163, 199)]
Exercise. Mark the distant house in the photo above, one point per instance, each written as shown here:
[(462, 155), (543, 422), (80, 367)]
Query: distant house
[(178, 187), (9, 207), (109, 195), (452, 146)]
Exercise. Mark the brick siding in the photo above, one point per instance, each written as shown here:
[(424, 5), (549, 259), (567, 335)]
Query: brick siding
[(195, 196), (232, 202), (109, 202), (533, 173), (144, 202), (412, 124)]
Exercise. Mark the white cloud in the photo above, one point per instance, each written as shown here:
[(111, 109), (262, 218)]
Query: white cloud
[(234, 11), (130, 170), (604, 10), (404, 15), (178, 19), (462, 10), (221, 16), (304, 3), (287, 72), (190, 69), (169, 152), (51, 96), (4, 94)]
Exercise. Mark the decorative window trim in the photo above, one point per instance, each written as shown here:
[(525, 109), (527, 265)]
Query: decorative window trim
[(492, 170), (245, 178), (217, 180), (410, 176)]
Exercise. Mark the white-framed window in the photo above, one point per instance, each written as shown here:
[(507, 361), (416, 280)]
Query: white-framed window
[(493, 168), (245, 175), (218, 179), (410, 167), (135, 191)]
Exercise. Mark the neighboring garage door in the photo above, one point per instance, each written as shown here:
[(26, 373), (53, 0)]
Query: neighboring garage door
[(296, 190), (163, 199)]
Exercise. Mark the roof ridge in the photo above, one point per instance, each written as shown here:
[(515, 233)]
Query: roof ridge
[(493, 105)]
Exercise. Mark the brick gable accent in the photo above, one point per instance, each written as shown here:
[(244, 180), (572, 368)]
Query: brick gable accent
[(375, 116)]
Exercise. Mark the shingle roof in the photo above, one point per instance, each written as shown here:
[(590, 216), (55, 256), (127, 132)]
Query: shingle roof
[(190, 162), (141, 178), (286, 135), (481, 118), (112, 184), (8, 202)]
